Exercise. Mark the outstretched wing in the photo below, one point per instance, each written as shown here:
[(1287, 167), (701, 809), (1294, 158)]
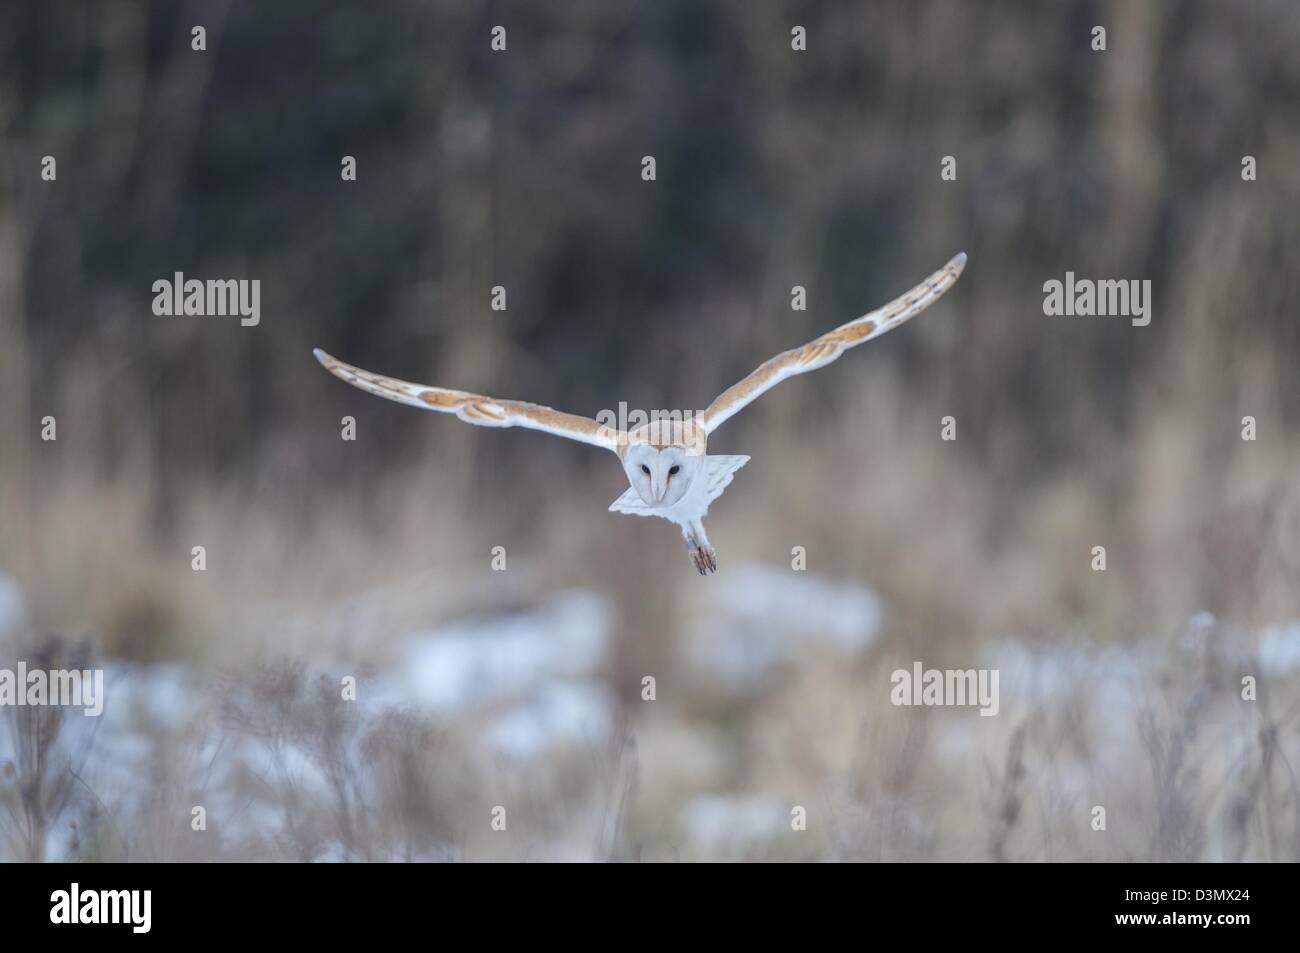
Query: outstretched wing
[(475, 408), (831, 345)]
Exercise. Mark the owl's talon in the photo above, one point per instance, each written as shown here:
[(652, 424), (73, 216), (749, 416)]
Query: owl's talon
[(704, 558)]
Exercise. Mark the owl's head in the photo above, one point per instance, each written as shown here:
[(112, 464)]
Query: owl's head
[(661, 476)]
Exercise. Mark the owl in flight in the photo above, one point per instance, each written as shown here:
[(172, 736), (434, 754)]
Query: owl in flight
[(670, 473)]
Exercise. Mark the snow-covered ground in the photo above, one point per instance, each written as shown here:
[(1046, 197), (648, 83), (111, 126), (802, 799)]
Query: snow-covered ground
[(522, 687)]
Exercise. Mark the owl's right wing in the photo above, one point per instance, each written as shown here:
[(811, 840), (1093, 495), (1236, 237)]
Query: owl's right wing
[(475, 408), (831, 345)]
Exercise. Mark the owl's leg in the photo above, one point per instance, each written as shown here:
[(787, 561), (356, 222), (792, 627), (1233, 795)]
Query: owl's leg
[(703, 556)]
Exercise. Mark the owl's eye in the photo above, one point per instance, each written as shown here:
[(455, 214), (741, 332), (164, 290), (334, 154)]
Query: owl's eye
[(645, 469), (674, 471)]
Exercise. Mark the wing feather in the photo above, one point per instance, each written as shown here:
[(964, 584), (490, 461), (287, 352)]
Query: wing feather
[(828, 347), (722, 468), (475, 408), (632, 504)]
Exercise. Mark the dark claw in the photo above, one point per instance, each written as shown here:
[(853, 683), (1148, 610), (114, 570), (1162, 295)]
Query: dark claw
[(703, 557)]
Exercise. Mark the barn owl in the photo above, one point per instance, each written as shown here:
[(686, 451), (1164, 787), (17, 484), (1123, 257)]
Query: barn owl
[(669, 472)]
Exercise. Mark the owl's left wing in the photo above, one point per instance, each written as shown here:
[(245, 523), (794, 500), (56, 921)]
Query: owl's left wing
[(475, 408), (829, 346)]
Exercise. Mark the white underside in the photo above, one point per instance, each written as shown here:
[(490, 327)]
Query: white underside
[(692, 507)]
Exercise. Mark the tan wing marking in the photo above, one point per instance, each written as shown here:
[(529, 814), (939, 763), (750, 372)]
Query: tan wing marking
[(475, 408), (829, 346)]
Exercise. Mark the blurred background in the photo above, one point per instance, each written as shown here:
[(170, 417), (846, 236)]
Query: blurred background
[(524, 689)]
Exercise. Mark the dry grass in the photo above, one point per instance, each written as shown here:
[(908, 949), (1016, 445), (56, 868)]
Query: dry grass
[(1185, 769)]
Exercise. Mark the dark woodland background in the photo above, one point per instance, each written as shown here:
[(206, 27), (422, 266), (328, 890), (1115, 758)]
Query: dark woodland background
[(775, 168)]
